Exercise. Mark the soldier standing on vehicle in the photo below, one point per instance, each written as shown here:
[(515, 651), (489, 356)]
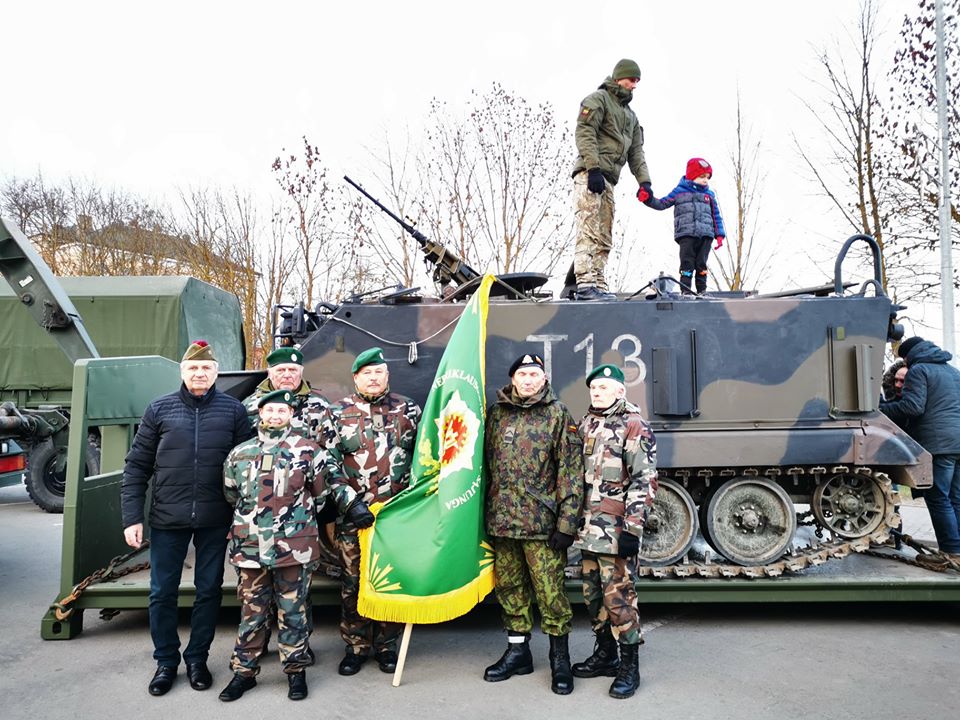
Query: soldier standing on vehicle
[(179, 450), (273, 481), (376, 430), (620, 462), (533, 505), (608, 136)]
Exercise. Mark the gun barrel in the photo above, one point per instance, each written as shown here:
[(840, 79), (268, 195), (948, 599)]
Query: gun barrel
[(449, 265)]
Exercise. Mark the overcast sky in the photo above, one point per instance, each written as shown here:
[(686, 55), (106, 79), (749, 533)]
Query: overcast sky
[(151, 97)]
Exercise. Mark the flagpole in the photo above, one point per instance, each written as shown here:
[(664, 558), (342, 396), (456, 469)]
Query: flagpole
[(402, 658)]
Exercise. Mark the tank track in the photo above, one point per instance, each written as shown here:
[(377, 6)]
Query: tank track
[(799, 559)]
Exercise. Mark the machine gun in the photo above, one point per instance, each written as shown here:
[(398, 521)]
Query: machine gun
[(449, 267)]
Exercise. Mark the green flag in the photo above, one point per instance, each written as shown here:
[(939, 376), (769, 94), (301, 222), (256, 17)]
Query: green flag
[(426, 559)]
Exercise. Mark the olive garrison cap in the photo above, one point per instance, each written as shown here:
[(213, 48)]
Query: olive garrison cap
[(373, 356), (285, 356), (199, 350), (527, 360), (907, 345), (605, 372), (626, 69), (277, 396)]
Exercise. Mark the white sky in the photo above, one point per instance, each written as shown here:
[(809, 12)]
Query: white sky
[(151, 97)]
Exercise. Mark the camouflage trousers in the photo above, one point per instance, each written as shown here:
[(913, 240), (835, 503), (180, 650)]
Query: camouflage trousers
[(594, 219), (358, 632), (258, 589), (611, 596), (526, 569)]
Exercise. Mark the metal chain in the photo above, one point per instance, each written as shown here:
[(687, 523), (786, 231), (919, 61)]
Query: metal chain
[(62, 608)]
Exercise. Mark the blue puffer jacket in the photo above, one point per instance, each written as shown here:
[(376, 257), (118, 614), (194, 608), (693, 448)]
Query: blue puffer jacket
[(930, 400), (696, 212), (182, 443)]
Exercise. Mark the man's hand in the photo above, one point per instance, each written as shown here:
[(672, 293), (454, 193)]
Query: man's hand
[(560, 541), (719, 244), (134, 535), (629, 545), (359, 514), (595, 182), (644, 193)]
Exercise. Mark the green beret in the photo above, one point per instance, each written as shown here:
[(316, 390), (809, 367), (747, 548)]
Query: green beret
[(199, 350), (373, 356), (605, 372), (277, 396), (285, 356)]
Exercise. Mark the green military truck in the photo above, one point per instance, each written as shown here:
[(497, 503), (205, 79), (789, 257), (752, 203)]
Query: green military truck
[(124, 316)]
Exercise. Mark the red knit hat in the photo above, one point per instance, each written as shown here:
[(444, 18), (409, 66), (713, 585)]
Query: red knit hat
[(697, 167)]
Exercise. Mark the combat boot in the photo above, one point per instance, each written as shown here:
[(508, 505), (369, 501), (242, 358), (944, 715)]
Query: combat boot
[(297, 685), (628, 676), (561, 679), (604, 661), (517, 660), (592, 292)]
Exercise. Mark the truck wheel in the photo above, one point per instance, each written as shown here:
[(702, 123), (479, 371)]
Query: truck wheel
[(45, 484)]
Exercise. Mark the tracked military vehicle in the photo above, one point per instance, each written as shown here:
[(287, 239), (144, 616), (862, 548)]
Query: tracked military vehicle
[(764, 406)]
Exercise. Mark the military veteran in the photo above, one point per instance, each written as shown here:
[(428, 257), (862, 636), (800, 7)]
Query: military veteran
[(534, 499), (376, 431), (273, 481), (180, 446), (619, 460)]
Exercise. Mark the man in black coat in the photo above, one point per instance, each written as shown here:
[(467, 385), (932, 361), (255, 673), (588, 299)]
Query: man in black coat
[(181, 445), (930, 401)]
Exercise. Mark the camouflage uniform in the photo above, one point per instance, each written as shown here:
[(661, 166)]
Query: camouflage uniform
[(273, 483), (375, 440), (620, 454), (535, 466), (311, 413)]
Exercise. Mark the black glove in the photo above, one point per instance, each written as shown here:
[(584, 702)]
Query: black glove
[(327, 512), (595, 182), (629, 545), (645, 193), (359, 514), (560, 541)]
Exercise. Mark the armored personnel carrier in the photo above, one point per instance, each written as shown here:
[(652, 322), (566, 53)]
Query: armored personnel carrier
[(764, 406)]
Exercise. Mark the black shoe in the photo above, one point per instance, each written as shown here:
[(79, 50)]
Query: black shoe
[(351, 663), (297, 685), (387, 660), (162, 680), (199, 675), (237, 687), (604, 661), (517, 660), (561, 679), (591, 292), (628, 676)]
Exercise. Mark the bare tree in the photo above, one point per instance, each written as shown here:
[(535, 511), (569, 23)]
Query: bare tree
[(314, 211), (492, 183), (741, 262), (913, 137), (851, 119)]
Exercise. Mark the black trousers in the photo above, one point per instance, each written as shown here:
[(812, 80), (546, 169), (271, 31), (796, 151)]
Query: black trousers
[(693, 261)]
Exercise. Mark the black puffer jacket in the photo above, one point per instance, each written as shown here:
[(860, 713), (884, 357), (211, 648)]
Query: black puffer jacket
[(182, 443), (930, 400)]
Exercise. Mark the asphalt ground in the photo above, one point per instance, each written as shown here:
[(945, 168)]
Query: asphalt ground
[(699, 661)]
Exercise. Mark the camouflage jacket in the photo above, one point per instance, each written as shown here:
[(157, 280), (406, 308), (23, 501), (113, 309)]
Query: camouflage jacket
[(374, 441), (620, 463), (273, 482), (311, 419), (535, 467)]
